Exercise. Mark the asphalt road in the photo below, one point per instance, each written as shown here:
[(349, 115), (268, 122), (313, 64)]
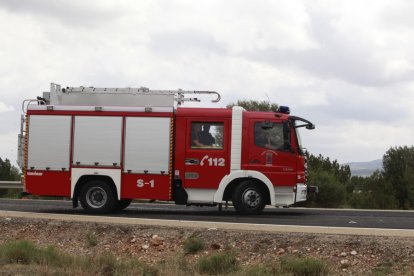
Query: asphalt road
[(275, 216)]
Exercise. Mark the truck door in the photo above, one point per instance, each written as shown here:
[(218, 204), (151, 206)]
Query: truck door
[(206, 153), (269, 151)]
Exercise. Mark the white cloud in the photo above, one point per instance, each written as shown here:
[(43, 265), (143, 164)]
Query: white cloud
[(5, 108)]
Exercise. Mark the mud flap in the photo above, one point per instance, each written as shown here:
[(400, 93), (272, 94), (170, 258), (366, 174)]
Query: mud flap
[(180, 195)]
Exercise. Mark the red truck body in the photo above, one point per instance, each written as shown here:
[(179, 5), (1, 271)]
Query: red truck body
[(107, 155)]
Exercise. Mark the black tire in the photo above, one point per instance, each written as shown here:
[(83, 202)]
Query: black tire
[(97, 197), (249, 198), (122, 204)]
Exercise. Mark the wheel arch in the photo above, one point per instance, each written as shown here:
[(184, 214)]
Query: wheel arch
[(86, 178), (230, 181), (80, 176)]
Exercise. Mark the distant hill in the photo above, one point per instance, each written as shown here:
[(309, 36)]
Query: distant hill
[(364, 168)]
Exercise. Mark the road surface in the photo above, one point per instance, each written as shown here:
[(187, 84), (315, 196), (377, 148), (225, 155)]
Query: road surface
[(272, 216)]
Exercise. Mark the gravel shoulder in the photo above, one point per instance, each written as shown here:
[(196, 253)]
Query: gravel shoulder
[(345, 254)]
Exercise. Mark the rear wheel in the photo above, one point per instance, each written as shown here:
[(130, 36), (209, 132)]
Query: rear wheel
[(97, 197), (122, 204), (249, 198)]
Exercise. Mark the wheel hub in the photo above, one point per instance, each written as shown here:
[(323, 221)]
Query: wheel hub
[(96, 197), (251, 198)]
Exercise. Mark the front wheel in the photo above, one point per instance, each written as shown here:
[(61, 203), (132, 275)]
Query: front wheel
[(97, 197), (249, 198)]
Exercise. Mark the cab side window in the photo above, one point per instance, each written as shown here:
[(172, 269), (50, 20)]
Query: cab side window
[(269, 135), (207, 135)]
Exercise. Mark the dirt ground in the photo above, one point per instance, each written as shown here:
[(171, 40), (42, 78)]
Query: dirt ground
[(345, 254)]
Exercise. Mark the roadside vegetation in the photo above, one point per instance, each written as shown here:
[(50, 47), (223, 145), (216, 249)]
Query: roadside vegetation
[(391, 188), (23, 257), (8, 172), (193, 244)]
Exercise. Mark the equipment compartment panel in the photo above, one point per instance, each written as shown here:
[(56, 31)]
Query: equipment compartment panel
[(97, 141), (49, 142), (147, 145)]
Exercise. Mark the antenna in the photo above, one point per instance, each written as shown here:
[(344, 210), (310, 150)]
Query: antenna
[(268, 99)]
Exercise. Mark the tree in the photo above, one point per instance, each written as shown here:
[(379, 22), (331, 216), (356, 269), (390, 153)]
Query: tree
[(252, 105), (398, 164), (8, 172), (331, 191), (341, 172), (373, 192), (332, 180)]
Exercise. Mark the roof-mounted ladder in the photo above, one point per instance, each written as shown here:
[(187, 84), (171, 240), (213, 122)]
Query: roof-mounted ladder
[(119, 96)]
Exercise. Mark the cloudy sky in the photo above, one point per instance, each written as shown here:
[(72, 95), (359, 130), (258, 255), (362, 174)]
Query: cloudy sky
[(347, 66)]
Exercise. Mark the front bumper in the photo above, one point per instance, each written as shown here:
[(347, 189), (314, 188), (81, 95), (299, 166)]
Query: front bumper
[(301, 192)]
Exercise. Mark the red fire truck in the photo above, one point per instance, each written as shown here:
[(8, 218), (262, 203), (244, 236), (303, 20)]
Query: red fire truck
[(105, 147)]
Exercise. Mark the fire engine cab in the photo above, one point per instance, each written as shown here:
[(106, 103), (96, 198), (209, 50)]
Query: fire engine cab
[(105, 147)]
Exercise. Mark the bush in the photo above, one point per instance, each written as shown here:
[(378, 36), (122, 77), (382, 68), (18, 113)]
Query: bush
[(193, 244), (331, 191), (375, 192), (263, 270), (91, 240), (218, 263), (108, 264), (10, 193), (25, 252), (51, 261), (22, 251), (305, 266)]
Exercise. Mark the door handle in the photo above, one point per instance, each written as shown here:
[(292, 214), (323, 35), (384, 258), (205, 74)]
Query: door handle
[(192, 161)]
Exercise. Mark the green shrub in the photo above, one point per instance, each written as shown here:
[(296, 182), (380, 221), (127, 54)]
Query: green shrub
[(304, 266), (23, 251), (91, 240), (331, 191), (10, 193), (193, 244), (52, 261), (218, 263), (384, 268), (262, 270), (51, 256), (107, 264), (375, 192)]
